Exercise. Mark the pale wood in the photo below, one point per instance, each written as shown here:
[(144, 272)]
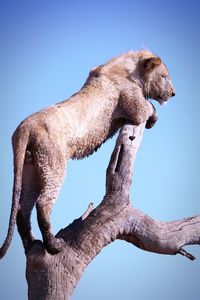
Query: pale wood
[(55, 276)]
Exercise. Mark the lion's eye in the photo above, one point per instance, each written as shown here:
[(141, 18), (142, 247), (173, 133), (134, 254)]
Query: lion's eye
[(163, 76)]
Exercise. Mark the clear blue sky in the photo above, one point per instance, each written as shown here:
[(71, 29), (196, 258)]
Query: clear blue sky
[(47, 49)]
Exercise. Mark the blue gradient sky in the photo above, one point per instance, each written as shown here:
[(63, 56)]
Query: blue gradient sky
[(47, 49)]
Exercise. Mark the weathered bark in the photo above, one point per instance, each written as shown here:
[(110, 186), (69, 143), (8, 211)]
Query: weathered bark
[(55, 276)]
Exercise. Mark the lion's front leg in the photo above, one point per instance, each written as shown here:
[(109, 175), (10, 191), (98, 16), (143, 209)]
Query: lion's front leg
[(152, 119), (137, 108), (144, 112)]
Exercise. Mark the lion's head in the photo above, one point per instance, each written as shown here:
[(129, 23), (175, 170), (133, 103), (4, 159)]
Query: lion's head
[(141, 67), (157, 84)]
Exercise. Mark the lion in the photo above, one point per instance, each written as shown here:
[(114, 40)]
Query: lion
[(114, 94)]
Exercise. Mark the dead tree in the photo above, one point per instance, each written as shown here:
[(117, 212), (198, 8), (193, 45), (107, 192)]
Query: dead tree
[(55, 276)]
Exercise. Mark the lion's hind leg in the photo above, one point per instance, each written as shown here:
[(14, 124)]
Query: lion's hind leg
[(28, 198), (52, 170)]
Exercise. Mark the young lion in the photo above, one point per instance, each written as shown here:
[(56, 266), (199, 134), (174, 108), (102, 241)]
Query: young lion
[(114, 94)]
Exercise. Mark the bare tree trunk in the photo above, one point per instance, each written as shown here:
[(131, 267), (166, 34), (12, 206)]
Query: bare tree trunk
[(55, 276)]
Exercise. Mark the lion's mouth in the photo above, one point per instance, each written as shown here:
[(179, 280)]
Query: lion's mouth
[(163, 102), (162, 99)]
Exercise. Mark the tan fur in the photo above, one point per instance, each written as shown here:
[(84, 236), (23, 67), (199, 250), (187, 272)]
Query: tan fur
[(114, 94)]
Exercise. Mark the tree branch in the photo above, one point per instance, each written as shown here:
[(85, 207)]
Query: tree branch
[(119, 171), (114, 218), (161, 237)]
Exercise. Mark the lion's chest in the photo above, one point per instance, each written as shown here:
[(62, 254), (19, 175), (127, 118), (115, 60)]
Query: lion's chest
[(89, 123)]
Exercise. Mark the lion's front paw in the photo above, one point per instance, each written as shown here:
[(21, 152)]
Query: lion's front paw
[(54, 245), (152, 120)]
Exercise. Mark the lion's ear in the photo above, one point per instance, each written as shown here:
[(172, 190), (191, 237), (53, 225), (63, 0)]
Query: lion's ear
[(150, 63)]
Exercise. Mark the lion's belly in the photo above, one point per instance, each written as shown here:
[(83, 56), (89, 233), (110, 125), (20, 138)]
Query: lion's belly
[(85, 150), (91, 141), (86, 145)]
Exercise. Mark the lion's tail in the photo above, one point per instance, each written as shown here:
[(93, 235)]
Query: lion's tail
[(20, 141)]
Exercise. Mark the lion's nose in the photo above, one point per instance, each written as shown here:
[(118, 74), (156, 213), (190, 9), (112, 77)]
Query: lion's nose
[(173, 93)]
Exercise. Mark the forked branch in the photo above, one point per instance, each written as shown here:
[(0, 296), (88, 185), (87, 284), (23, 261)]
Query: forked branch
[(55, 276)]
